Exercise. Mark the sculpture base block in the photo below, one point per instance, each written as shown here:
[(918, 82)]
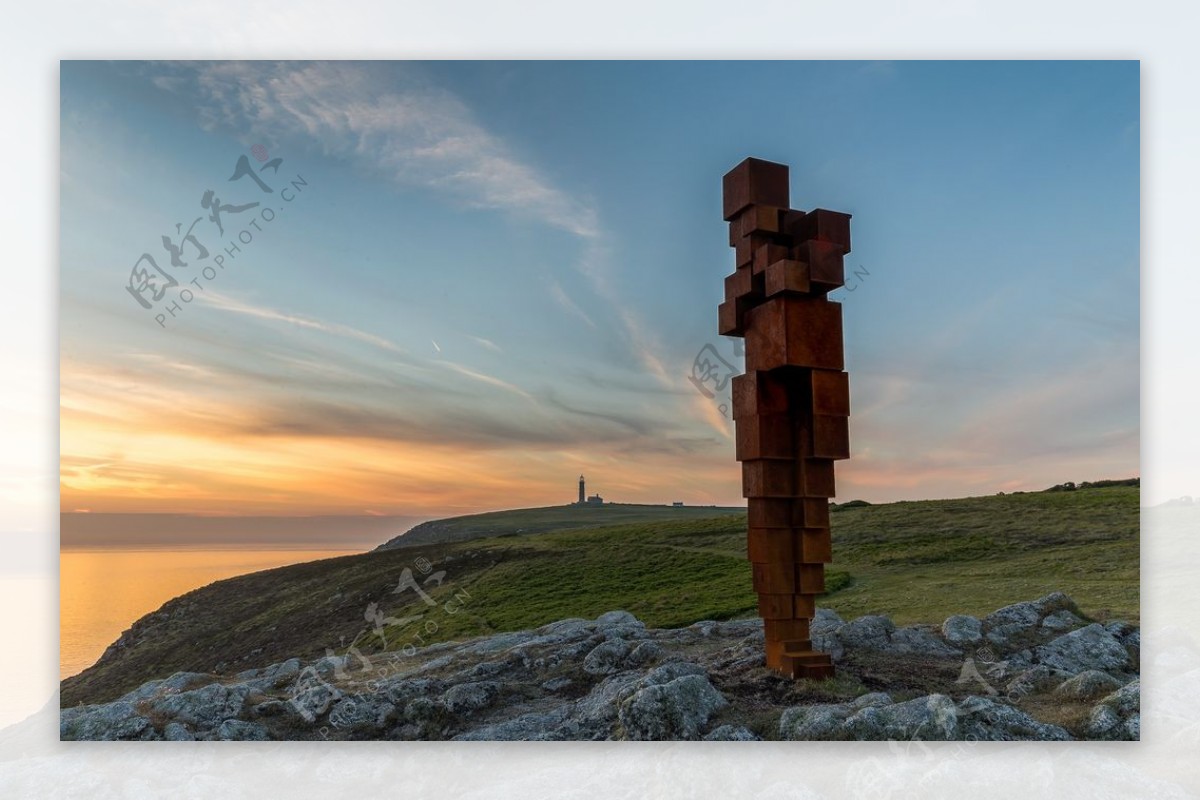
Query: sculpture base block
[(802, 664)]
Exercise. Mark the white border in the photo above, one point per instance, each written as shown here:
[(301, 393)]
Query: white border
[(1161, 34)]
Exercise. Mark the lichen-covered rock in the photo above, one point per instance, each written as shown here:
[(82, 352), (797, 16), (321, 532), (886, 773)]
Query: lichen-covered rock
[(869, 632), (917, 640), (931, 717), (1022, 660), (1054, 602), (871, 699), (176, 682), (1088, 648), (825, 621), (240, 730), (644, 653), (673, 711), (422, 719), (1118, 715), (1128, 635), (329, 667), (612, 678), (1018, 620), (814, 722), (731, 733), (512, 662), (400, 691), (1025, 614), (553, 725), (1128, 699), (115, 721), (1120, 628), (1062, 620), (596, 712), (358, 711), (311, 701), (962, 630), (878, 633), (828, 642), (937, 717), (566, 629), (823, 630), (750, 627), (985, 719), (466, 698), (1036, 678), (1087, 685), (619, 618), (205, 707), (272, 707), (176, 731), (1104, 723), (423, 710), (1133, 644), (671, 671), (606, 658)]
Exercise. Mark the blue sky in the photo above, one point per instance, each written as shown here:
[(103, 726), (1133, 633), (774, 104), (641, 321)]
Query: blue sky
[(496, 276)]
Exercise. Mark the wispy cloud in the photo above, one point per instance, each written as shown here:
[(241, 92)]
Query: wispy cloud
[(389, 119), (708, 411), (486, 379), (227, 303), (595, 267), (392, 121), (487, 343), (1017, 428), (645, 347), (564, 300), (384, 118)]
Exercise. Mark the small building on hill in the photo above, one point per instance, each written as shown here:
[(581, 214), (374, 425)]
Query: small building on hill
[(585, 499)]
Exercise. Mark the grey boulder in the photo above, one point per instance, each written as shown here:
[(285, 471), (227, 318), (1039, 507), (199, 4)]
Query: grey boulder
[(815, 722), (869, 632), (469, 697), (676, 710), (731, 733), (962, 629), (931, 717), (985, 719), (1087, 685), (1088, 648)]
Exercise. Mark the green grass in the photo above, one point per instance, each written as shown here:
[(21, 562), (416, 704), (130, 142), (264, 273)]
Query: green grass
[(915, 561), (668, 575)]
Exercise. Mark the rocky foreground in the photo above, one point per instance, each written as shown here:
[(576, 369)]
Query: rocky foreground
[(1031, 671)]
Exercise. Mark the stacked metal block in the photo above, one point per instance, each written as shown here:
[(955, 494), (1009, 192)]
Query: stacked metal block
[(792, 406)]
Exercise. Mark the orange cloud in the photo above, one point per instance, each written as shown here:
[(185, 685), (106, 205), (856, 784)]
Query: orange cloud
[(161, 449)]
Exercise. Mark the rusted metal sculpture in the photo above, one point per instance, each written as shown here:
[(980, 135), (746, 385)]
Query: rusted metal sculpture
[(792, 406)]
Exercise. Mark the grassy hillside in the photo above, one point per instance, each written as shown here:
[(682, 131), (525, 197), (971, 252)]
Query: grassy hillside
[(549, 518), (916, 561)]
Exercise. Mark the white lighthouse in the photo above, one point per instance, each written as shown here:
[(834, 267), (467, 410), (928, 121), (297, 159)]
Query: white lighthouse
[(582, 495)]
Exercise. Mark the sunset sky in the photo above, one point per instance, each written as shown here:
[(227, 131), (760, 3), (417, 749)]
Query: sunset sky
[(492, 277)]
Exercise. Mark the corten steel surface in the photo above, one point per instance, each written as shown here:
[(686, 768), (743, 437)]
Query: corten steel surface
[(791, 408)]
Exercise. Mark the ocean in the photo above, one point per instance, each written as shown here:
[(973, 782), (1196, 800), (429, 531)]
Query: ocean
[(102, 592)]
